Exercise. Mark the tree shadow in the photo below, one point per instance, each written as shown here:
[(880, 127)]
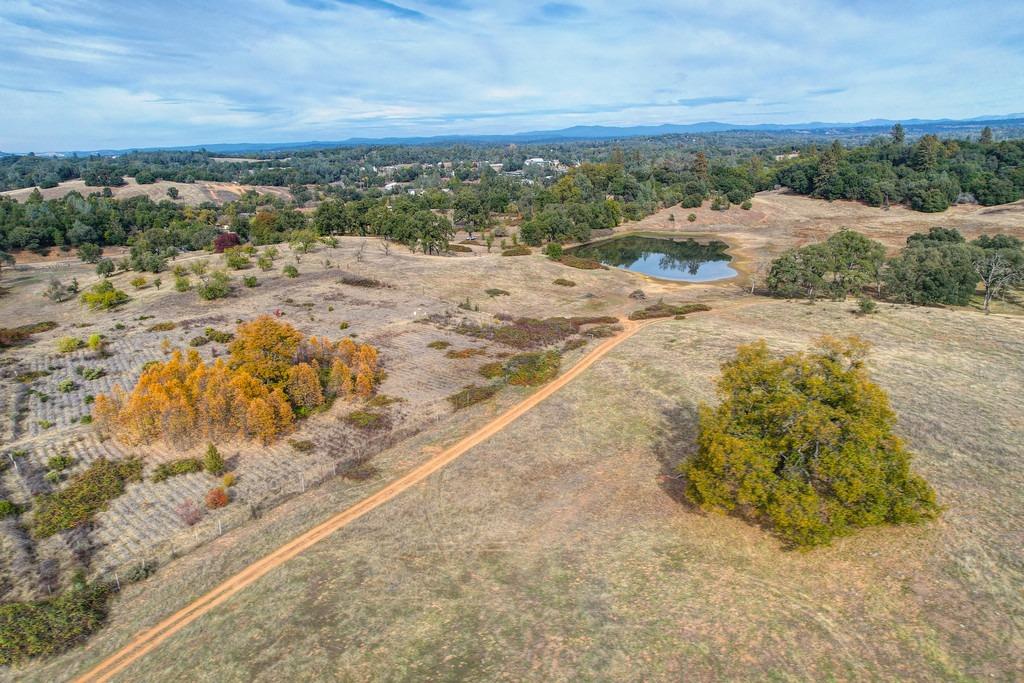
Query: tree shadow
[(676, 444)]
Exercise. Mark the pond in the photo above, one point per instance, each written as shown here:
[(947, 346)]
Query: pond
[(670, 258)]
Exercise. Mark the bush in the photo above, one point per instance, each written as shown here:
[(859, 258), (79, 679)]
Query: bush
[(492, 370), (217, 498), (85, 495), (359, 281), (532, 369), (581, 263), (47, 627), (866, 306), (59, 463), (250, 281), (228, 480), (553, 251), (472, 395), (495, 292), (290, 271), (218, 336), (66, 386), (182, 283), (439, 344), (188, 512), (213, 462), (174, 468), (365, 419), (9, 509), (459, 249), (663, 310), (465, 353), (198, 341), (165, 326), (217, 286), (746, 205), (69, 344), (692, 217), (517, 251), (138, 282), (103, 296), (564, 283), (236, 259), (805, 445)]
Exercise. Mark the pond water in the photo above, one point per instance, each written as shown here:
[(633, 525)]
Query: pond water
[(664, 257)]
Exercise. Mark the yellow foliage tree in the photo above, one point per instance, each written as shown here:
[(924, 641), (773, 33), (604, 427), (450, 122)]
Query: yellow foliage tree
[(265, 348), (303, 386)]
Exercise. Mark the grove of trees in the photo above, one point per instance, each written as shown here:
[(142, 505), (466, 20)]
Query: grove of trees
[(273, 375)]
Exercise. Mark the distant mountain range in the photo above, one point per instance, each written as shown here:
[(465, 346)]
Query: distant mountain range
[(814, 128)]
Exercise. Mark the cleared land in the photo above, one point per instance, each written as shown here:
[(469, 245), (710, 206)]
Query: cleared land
[(192, 194), (560, 548)]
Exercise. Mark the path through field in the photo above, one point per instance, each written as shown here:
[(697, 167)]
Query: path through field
[(148, 640)]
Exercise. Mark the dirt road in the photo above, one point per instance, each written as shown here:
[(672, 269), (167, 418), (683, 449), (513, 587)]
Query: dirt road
[(152, 638)]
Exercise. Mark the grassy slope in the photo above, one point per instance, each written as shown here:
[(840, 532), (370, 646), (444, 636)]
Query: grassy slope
[(560, 550)]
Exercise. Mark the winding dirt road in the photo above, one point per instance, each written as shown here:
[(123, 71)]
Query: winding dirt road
[(150, 639)]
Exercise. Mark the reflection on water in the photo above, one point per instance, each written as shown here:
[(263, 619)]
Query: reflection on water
[(671, 259)]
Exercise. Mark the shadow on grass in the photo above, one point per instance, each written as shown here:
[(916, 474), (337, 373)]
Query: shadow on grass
[(676, 445)]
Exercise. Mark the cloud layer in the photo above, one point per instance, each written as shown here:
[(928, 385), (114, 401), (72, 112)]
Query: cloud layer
[(148, 73)]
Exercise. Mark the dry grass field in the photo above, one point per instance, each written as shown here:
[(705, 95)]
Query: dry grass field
[(192, 194), (562, 548)]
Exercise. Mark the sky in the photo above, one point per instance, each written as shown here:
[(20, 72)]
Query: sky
[(93, 75)]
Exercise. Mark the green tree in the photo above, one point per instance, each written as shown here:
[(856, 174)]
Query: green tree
[(805, 445), (986, 136), (898, 134)]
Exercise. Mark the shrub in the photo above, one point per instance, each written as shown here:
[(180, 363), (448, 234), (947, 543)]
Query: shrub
[(165, 326), (217, 286), (494, 292), (218, 336), (465, 353), (213, 462), (692, 217), (581, 263), (517, 251), (236, 259), (663, 310), (532, 369), (365, 419), (562, 282), (264, 262), (174, 468), (472, 395), (9, 509), (866, 306), (103, 296), (138, 282), (290, 271), (228, 480), (250, 281), (69, 344), (359, 281), (182, 283), (459, 249), (492, 370), (304, 446), (217, 497), (198, 341), (47, 627), (66, 386), (553, 251), (439, 344), (188, 512), (31, 376), (805, 445), (746, 205), (85, 495), (60, 462)]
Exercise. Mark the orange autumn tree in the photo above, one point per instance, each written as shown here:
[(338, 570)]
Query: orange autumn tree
[(273, 374)]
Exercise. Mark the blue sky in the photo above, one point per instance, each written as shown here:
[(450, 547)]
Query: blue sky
[(87, 75)]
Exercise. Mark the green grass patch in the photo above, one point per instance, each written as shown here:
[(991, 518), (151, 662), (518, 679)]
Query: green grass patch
[(10, 336), (162, 327), (440, 345), (517, 251), (365, 419), (31, 376), (581, 263), (465, 353), (47, 627), (492, 370)]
